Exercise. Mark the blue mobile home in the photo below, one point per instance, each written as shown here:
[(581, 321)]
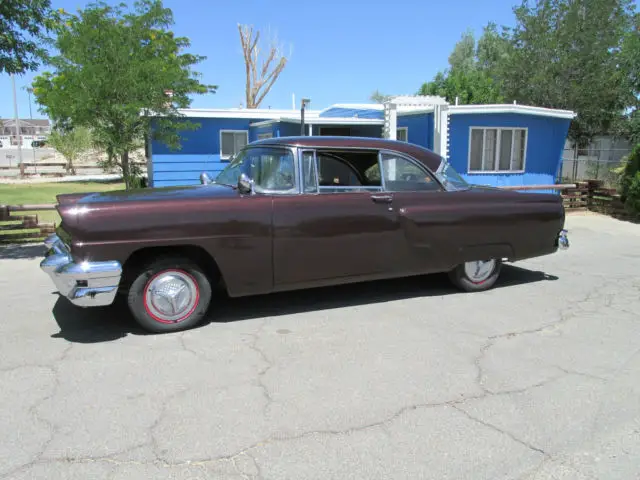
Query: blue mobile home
[(487, 144), (507, 145)]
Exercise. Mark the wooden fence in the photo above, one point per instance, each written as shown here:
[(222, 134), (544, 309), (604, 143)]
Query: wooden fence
[(25, 226), (607, 201), (576, 197)]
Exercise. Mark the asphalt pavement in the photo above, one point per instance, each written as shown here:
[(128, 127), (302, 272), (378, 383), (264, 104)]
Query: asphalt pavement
[(538, 378)]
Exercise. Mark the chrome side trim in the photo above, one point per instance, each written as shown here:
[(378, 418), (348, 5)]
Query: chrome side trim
[(85, 284)]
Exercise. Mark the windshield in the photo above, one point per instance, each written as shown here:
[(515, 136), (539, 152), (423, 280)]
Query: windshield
[(272, 169), (229, 175), (450, 179)]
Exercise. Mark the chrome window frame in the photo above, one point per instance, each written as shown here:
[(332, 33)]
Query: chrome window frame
[(331, 190), (301, 153)]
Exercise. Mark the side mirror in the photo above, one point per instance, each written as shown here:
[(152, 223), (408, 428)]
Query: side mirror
[(245, 184), (205, 178)]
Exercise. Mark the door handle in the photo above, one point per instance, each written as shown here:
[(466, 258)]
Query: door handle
[(382, 198)]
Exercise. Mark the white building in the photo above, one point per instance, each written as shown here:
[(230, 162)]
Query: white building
[(30, 130)]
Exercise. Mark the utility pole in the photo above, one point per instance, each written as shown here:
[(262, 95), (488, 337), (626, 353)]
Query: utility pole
[(16, 119)]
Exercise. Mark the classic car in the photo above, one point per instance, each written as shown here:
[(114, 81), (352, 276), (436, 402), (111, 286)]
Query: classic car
[(289, 213)]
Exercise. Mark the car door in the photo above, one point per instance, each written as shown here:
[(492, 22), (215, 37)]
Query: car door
[(422, 207), (337, 228)]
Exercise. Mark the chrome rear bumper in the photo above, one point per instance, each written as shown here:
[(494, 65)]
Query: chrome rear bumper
[(85, 284), (563, 240)]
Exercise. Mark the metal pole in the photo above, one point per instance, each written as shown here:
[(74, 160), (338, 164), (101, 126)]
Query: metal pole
[(29, 90), (16, 119), (302, 120)]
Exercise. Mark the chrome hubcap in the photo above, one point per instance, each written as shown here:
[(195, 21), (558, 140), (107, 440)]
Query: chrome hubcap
[(171, 296), (479, 270)]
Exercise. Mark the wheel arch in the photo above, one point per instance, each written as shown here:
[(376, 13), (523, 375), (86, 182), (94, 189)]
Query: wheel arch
[(138, 258)]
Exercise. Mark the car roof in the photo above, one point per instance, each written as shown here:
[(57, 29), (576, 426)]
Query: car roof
[(429, 158)]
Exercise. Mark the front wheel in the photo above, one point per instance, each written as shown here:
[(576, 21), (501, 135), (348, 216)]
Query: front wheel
[(476, 275), (169, 294)]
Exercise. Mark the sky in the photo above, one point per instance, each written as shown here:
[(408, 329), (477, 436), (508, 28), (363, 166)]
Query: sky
[(340, 50)]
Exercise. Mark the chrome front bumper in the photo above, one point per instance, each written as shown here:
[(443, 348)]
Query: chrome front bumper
[(85, 284), (563, 240)]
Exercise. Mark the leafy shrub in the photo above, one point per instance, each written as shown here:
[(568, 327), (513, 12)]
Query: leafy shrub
[(631, 168), (632, 200)]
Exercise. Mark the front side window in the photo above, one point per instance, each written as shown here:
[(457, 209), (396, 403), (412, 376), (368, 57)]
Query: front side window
[(497, 150), (231, 142), (401, 174), (271, 169)]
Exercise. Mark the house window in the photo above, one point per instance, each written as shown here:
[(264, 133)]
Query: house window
[(402, 134), (262, 136), (497, 149), (232, 141)]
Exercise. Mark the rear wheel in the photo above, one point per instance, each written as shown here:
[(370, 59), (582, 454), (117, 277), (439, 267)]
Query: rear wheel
[(169, 294), (476, 275)]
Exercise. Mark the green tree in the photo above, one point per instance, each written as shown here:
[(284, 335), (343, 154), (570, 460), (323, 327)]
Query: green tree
[(115, 72), (493, 50), (628, 124), (71, 143), (22, 26), (567, 54), (466, 79), (462, 58), (469, 87)]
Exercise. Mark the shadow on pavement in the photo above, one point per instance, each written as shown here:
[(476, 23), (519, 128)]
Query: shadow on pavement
[(22, 252), (104, 324)]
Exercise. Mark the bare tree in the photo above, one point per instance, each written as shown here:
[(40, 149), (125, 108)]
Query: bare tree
[(379, 97), (261, 72)]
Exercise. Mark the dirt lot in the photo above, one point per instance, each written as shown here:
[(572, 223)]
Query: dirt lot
[(536, 379)]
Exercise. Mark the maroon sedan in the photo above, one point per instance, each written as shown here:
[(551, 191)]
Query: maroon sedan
[(290, 213)]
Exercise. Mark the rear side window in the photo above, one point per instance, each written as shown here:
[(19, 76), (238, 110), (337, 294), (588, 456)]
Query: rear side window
[(341, 171)]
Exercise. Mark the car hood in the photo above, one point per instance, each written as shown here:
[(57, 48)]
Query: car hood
[(148, 194)]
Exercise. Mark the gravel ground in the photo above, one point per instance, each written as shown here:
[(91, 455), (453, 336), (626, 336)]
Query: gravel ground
[(538, 378)]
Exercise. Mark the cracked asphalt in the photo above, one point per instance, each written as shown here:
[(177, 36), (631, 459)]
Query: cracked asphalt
[(538, 378)]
